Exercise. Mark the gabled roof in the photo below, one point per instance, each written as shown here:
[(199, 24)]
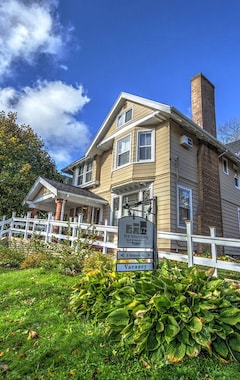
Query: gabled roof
[(57, 189), (160, 112), (234, 147)]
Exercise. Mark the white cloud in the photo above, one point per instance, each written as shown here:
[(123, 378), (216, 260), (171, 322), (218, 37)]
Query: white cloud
[(27, 29), (51, 109)]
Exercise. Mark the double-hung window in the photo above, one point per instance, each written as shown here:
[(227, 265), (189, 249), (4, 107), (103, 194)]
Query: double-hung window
[(124, 117), (89, 171), (236, 177), (123, 151), (85, 173), (225, 165), (145, 146), (184, 205)]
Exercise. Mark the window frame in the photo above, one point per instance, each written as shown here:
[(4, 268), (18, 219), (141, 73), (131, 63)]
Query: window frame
[(123, 116), (179, 223), (117, 154), (152, 146), (236, 177), (225, 165), (84, 172), (141, 209)]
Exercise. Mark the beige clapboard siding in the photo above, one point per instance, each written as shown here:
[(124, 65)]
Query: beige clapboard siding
[(161, 187), (122, 175), (105, 164), (184, 170), (144, 171), (183, 160), (138, 112)]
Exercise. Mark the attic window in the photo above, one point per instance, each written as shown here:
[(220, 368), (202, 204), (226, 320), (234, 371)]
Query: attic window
[(124, 117)]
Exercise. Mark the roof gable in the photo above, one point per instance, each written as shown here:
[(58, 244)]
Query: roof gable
[(55, 189)]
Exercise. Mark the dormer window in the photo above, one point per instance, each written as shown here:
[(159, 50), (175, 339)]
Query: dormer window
[(124, 117)]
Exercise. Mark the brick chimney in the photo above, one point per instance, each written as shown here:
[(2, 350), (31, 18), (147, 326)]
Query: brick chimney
[(209, 210), (203, 104)]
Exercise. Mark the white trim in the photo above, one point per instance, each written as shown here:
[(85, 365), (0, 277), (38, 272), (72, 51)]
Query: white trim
[(124, 113), (152, 159), (225, 163), (126, 129), (116, 166)]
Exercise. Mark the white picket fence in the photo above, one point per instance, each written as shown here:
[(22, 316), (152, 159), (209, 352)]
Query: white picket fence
[(105, 238)]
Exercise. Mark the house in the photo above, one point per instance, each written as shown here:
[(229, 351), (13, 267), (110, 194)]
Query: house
[(147, 149)]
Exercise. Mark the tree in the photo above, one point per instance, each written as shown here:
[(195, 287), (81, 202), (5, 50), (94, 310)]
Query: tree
[(23, 158), (229, 131)]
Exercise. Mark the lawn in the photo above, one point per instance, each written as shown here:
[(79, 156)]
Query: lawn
[(41, 339)]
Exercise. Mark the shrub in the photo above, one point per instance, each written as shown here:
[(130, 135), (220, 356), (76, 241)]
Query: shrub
[(34, 260), (10, 256), (168, 315), (98, 260)]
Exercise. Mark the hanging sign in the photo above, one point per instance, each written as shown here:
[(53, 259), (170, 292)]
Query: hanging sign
[(135, 232)]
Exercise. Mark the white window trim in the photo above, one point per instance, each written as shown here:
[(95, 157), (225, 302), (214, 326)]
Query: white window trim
[(152, 131), (236, 175), (84, 174), (120, 197), (225, 160), (178, 216), (116, 166), (124, 113)]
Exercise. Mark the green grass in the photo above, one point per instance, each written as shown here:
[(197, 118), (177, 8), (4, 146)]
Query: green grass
[(40, 339)]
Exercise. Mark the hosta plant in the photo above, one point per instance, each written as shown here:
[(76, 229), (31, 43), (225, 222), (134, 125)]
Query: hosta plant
[(167, 315)]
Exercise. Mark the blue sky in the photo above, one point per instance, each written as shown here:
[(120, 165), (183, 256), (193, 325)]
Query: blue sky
[(63, 63)]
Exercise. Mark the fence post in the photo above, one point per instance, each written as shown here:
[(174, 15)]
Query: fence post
[(189, 243), (48, 228), (11, 225), (27, 225), (105, 237), (214, 251), (2, 225)]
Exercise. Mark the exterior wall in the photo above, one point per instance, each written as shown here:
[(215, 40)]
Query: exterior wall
[(183, 173), (161, 187), (230, 202)]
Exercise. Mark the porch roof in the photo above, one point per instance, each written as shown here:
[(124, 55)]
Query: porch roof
[(45, 191)]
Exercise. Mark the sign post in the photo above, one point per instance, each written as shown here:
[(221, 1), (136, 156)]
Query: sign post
[(137, 236)]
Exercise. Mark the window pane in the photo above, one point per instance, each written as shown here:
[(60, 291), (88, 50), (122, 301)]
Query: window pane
[(145, 146), (123, 159), (184, 204), (128, 116), (145, 153), (120, 119), (123, 151), (130, 198)]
